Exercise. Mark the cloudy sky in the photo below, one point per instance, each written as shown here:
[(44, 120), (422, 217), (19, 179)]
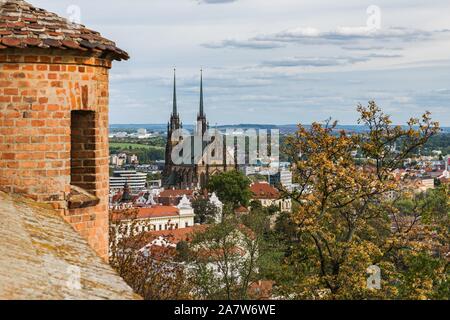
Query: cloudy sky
[(274, 61)]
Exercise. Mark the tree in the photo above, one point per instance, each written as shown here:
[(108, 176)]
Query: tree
[(153, 274), (343, 221), (154, 176), (232, 187), (256, 205), (205, 211), (421, 255), (224, 261), (183, 253)]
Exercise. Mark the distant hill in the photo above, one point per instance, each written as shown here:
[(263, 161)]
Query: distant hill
[(149, 127), (284, 129)]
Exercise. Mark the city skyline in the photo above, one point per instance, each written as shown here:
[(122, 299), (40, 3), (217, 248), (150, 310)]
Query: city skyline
[(274, 63), (250, 202)]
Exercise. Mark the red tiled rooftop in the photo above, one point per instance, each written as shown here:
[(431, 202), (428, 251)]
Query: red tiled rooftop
[(241, 209), (170, 193), (177, 235), (152, 212), (264, 191), (25, 26)]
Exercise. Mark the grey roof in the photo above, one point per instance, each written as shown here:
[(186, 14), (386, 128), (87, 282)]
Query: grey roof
[(40, 253)]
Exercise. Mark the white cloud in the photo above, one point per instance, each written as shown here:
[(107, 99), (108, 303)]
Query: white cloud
[(345, 34), (324, 69)]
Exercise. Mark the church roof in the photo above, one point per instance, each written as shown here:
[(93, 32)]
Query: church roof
[(40, 254), (25, 26)]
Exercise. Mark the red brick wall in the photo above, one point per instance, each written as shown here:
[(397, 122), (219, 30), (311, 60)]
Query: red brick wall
[(38, 92)]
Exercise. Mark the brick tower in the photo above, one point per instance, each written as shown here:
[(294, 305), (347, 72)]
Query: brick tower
[(54, 80)]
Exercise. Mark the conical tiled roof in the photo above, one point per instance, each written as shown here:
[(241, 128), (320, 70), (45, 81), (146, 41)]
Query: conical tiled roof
[(23, 26)]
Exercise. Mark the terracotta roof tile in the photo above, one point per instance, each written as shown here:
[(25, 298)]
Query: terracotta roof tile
[(177, 235), (176, 193), (146, 213), (158, 211), (23, 25), (264, 191), (241, 209)]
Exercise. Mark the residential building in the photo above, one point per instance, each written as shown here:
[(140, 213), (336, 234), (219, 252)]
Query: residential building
[(154, 218), (118, 160), (237, 255), (172, 197), (132, 159), (269, 196)]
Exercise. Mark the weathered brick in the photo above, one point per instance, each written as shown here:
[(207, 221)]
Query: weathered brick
[(39, 94), (11, 91)]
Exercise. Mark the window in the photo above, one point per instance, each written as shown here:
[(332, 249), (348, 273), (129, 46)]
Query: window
[(82, 151)]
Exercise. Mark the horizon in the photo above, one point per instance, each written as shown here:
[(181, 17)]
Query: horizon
[(250, 124)]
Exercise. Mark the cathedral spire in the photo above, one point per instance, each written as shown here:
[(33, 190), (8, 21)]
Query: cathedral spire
[(202, 113), (175, 107), (175, 117), (202, 124)]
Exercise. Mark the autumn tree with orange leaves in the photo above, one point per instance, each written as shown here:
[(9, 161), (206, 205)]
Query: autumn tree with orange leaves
[(346, 214)]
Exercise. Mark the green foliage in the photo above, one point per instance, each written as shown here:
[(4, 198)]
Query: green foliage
[(271, 249), (232, 187), (439, 142), (147, 150), (423, 277), (435, 204), (256, 205), (183, 251), (224, 264), (205, 211), (154, 176), (258, 178)]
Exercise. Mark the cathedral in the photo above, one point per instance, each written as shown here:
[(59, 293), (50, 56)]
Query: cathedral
[(215, 157)]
